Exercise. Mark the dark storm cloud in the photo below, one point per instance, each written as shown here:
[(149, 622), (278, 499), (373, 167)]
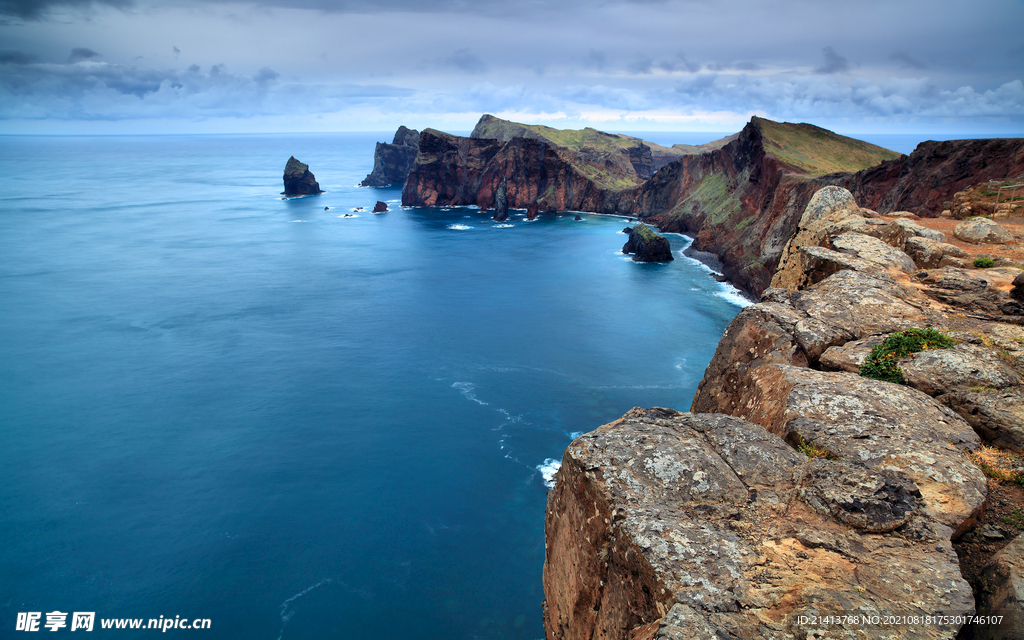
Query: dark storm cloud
[(642, 66), (81, 53), (17, 57), (679, 63), (906, 60), (465, 61), (36, 9), (97, 90), (596, 59), (834, 63)]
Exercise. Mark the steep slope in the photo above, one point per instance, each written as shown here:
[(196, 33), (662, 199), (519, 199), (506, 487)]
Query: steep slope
[(743, 201)]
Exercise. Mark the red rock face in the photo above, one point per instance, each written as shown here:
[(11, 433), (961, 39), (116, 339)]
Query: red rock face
[(739, 202), (930, 175)]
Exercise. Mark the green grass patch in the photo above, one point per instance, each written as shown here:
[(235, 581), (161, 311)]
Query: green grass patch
[(814, 451), (881, 363), (1015, 519), (814, 151), (984, 263)]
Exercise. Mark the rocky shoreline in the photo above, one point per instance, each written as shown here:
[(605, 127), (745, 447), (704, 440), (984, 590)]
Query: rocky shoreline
[(796, 489)]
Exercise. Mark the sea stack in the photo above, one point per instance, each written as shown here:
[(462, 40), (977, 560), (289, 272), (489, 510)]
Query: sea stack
[(646, 245), (501, 203), (298, 181), (380, 207)]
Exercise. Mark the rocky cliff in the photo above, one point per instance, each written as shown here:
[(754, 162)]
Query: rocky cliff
[(797, 488), (391, 162), (927, 179), (298, 180)]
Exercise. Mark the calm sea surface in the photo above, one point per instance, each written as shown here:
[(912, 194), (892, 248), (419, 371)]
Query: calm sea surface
[(215, 403)]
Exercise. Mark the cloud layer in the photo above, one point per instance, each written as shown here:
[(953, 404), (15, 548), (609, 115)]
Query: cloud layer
[(374, 65)]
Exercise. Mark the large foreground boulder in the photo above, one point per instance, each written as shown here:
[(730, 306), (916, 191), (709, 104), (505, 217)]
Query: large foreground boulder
[(1002, 593), (298, 180), (674, 525)]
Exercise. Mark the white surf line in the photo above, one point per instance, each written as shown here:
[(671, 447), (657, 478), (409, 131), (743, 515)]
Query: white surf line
[(287, 615)]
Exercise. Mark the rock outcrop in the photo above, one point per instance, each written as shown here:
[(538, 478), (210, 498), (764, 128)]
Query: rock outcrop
[(380, 207), (391, 162), (675, 525), (647, 246), (298, 180)]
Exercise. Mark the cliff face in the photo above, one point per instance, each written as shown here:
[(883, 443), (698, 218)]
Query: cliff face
[(391, 162), (797, 487), (298, 180), (453, 170), (928, 177), (741, 197)]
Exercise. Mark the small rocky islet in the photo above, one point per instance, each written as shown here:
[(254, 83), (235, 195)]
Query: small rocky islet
[(795, 487)]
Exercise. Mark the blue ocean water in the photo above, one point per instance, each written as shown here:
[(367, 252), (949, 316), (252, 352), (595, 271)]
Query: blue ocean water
[(215, 403)]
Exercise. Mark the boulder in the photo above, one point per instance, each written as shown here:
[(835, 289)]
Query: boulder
[(577, 218), (982, 230), (873, 250), (936, 371), (962, 289), (647, 246), (673, 525), (380, 207), (897, 232), (818, 263), (1001, 593), (828, 206), (996, 414), (932, 254), (877, 425), (1017, 292), (902, 214), (298, 180), (850, 356)]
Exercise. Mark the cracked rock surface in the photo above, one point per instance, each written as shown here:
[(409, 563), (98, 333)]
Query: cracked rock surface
[(678, 525)]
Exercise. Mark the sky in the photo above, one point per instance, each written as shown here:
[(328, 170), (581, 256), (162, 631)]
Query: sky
[(207, 66)]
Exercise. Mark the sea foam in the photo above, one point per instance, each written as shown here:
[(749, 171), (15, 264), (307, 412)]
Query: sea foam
[(547, 469)]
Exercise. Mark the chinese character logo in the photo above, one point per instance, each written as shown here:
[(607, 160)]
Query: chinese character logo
[(83, 620)]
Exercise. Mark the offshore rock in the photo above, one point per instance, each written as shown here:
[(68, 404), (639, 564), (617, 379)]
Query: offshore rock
[(380, 207), (672, 525), (298, 181), (501, 203), (391, 162), (647, 246), (982, 230)]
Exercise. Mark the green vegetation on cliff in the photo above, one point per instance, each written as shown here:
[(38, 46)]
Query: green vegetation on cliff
[(814, 151)]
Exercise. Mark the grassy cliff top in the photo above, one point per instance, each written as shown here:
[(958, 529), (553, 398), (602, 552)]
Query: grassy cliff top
[(814, 151), (576, 139)]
